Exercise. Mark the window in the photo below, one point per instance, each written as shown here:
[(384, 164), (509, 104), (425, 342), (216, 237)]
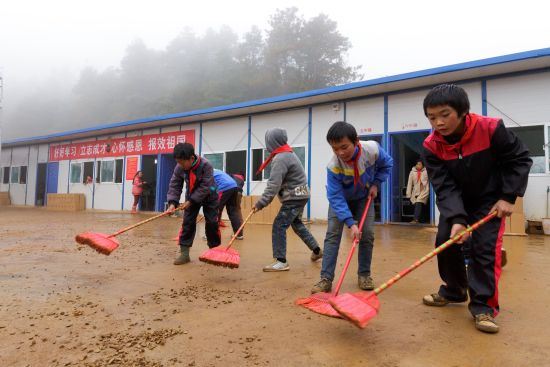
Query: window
[(235, 162), (533, 137), (118, 170), (215, 159), (2, 174), (23, 175), (76, 173), (88, 172), (6, 178), (107, 171), (14, 178), (259, 155)]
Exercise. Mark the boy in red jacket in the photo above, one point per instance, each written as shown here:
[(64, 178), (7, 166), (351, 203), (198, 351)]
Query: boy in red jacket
[(476, 166)]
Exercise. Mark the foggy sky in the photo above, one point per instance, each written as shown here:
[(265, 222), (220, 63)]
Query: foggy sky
[(50, 42)]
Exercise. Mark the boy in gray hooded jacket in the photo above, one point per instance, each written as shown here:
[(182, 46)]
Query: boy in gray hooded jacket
[(288, 181)]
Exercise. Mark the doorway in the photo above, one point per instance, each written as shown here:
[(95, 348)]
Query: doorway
[(406, 148), (149, 169), (378, 199), (41, 184)]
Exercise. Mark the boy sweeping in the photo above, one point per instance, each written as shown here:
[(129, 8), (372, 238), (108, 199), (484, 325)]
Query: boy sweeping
[(197, 173), (476, 166), (288, 181), (356, 172)]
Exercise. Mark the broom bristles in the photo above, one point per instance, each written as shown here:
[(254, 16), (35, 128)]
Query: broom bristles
[(359, 308), (226, 257), (100, 242), (319, 303)]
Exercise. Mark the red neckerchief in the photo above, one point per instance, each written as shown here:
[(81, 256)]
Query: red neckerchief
[(281, 149), (470, 122), (192, 175), (418, 175), (353, 161)]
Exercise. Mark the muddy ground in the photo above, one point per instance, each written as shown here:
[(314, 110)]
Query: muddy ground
[(63, 304)]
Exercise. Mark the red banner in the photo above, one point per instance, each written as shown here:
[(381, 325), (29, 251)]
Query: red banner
[(131, 167), (136, 145)]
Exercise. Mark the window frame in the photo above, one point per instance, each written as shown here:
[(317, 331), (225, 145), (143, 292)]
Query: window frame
[(101, 169), (14, 169), (71, 172), (546, 147), (265, 154), (204, 155)]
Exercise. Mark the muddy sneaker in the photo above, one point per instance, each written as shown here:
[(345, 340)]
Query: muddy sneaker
[(435, 299), (315, 257), (276, 266), (324, 285), (503, 258), (486, 323), (184, 256), (365, 283)]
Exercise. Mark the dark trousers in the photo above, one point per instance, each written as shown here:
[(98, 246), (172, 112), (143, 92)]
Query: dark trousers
[(481, 278), (290, 215), (228, 200), (418, 211), (189, 224)]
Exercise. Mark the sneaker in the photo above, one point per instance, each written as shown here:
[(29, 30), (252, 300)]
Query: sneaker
[(486, 323), (503, 258), (184, 257), (324, 285), (277, 266), (437, 300), (204, 237), (365, 283), (315, 257), (240, 237)]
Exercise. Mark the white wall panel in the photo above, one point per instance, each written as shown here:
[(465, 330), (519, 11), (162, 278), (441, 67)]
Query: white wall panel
[(43, 153), (322, 119), (225, 135), (63, 177), (366, 115), (32, 171), (108, 196), (525, 99), (405, 111)]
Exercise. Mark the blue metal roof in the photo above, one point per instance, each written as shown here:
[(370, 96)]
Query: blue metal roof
[(520, 56)]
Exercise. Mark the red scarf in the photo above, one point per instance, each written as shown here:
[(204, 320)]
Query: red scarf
[(353, 161), (281, 149), (470, 122), (418, 175), (192, 175)]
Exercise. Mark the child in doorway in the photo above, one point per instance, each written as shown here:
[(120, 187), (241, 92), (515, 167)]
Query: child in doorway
[(355, 173), (137, 189), (418, 189), (476, 166), (288, 181), (197, 173)]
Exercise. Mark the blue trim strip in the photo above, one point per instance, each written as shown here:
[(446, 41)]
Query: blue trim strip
[(484, 97), (516, 57), (386, 145), (200, 138), (249, 156), (309, 128)]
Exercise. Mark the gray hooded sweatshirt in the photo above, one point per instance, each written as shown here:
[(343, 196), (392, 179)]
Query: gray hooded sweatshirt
[(287, 179)]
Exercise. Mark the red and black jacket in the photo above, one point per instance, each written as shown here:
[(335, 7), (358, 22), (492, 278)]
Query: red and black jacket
[(488, 163), (200, 189)]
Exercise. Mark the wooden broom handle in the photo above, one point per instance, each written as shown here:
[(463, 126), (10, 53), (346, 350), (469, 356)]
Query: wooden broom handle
[(239, 230), (436, 251), (170, 211), (352, 250)]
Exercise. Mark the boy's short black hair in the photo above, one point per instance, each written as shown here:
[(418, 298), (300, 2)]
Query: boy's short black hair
[(184, 151), (340, 130), (448, 94)]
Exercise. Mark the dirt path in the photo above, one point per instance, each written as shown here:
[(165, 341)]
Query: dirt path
[(66, 305)]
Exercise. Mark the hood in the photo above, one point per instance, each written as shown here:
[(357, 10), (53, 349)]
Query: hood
[(274, 138)]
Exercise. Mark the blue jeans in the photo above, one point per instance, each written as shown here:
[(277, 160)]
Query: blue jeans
[(334, 237), (290, 215)]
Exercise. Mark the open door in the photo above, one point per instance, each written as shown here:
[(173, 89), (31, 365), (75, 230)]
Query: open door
[(41, 184), (167, 165)]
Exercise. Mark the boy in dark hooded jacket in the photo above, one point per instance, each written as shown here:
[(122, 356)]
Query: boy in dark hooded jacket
[(288, 181), (197, 173)]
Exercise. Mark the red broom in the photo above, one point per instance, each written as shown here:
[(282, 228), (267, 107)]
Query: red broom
[(319, 302), (104, 243), (225, 256), (361, 307)]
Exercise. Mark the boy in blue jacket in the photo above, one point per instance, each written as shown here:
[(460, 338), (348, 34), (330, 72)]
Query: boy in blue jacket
[(228, 191), (355, 173)]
